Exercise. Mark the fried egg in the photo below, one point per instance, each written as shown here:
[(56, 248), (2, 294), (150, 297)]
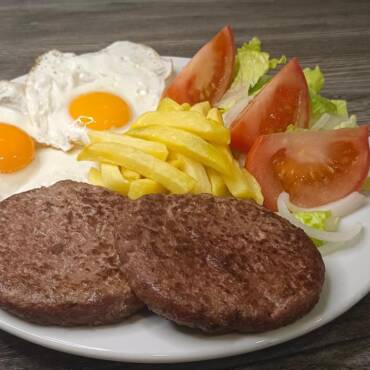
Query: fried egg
[(67, 94), (48, 166), (24, 164), (17, 148)]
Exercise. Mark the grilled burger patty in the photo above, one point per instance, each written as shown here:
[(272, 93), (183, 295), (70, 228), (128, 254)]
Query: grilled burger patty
[(219, 264), (58, 256)]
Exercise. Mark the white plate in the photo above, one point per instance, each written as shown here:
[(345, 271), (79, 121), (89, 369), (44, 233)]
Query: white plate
[(148, 338)]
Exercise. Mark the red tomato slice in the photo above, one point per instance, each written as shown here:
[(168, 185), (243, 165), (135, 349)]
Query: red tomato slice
[(314, 167), (283, 101), (209, 73)]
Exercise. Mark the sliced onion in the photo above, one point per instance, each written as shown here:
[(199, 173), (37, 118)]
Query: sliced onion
[(333, 121), (339, 208), (331, 224), (326, 236), (321, 122), (233, 112)]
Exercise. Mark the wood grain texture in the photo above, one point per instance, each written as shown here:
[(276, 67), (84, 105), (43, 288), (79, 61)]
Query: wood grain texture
[(334, 34)]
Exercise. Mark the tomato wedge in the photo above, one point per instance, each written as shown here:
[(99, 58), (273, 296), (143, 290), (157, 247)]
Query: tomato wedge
[(314, 167), (283, 101), (209, 73)]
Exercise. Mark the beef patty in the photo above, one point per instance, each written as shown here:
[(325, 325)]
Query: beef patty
[(219, 264), (58, 259)]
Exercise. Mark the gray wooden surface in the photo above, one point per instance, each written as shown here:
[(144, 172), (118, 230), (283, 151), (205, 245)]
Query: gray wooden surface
[(335, 34)]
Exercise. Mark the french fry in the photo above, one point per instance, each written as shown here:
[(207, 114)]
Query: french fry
[(129, 174), (241, 183), (202, 107), (215, 115), (191, 121), (200, 160), (141, 187), (178, 163), (157, 150), (94, 177), (197, 171), (185, 106), (112, 178), (218, 186), (168, 105), (187, 144), (162, 172), (254, 185)]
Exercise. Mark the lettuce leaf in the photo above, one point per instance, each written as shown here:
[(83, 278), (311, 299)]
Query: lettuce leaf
[(260, 83), (320, 105), (252, 64), (333, 122), (326, 114), (294, 128), (366, 185), (315, 79), (341, 105), (317, 220)]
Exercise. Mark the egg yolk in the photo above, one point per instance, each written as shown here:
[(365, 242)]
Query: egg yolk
[(17, 148), (100, 110)]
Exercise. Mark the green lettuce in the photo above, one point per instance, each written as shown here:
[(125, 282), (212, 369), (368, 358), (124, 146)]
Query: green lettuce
[(366, 185), (327, 122), (341, 106), (326, 114), (315, 79), (294, 128), (252, 64), (317, 220), (334, 122), (319, 104), (260, 83)]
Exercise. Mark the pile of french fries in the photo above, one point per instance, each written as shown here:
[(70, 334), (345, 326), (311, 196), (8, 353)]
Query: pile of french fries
[(177, 149)]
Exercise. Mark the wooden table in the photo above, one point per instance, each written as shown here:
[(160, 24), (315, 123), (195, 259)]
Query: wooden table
[(334, 34)]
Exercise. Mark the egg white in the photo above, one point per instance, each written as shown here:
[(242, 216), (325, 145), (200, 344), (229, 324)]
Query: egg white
[(13, 109), (49, 166), (39, 105), (131, 71)]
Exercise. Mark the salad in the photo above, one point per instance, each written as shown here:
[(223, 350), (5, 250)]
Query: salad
[(310, 157), (300, 154)]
